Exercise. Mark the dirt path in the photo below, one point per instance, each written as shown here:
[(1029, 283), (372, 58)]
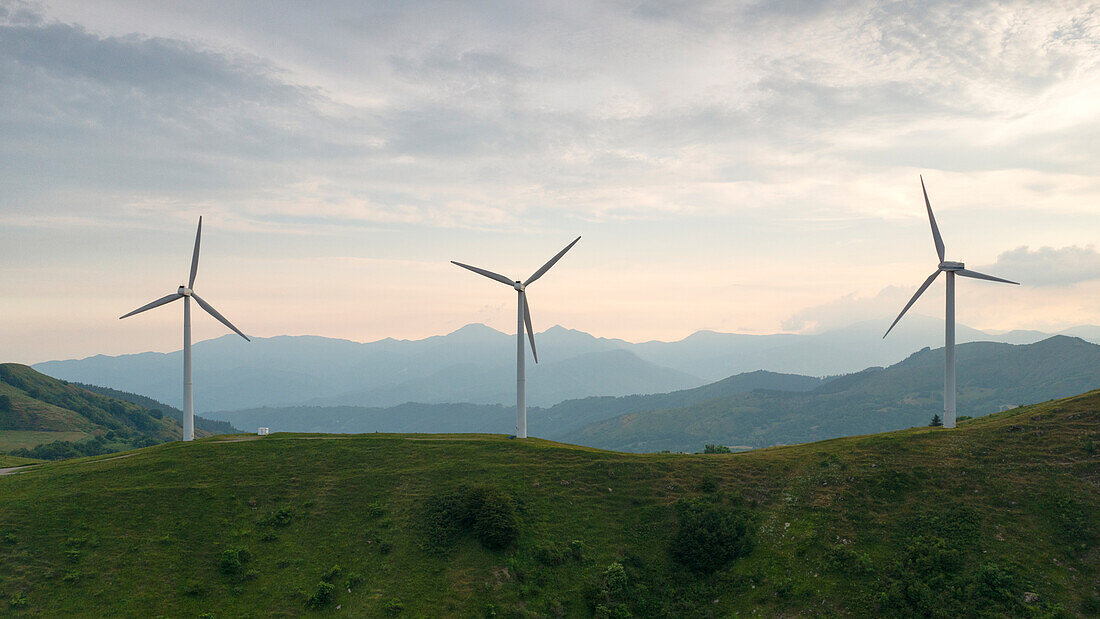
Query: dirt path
[(12, 470)]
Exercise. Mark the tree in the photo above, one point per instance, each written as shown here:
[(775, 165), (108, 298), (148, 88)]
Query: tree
[(711, 534), (936, 421), (5, 403), (716, 449)]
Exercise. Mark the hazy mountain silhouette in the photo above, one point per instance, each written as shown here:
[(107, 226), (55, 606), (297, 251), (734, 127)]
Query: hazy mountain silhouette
[(477, 364)]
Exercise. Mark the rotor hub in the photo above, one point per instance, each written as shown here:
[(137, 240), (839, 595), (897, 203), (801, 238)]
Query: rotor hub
[(185, 291), (518, 286), (947, 265)]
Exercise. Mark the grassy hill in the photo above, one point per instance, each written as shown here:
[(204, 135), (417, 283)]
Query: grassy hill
[(1000, 517), (991, 376), (37, 410), (6, 461), (202, 424)]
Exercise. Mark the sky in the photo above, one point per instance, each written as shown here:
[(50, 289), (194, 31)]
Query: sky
[(735, 166)]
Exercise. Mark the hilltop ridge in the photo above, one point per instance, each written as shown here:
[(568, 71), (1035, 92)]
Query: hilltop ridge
[(998, 517)]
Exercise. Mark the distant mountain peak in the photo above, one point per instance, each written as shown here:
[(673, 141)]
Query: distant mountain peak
[(475, 328)]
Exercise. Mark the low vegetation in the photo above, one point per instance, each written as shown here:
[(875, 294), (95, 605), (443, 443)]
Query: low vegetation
[(48, 419), (999, 517)]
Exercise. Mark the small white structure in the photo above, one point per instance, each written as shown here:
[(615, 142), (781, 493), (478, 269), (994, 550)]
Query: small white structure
[(263, 431)]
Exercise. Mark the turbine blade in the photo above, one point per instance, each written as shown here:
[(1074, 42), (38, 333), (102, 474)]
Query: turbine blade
[(977, 275), (195, 256), (213, 312), (920, 291), (527, 321), (932, 219), (546, 267), (161, 301), (497, 276)]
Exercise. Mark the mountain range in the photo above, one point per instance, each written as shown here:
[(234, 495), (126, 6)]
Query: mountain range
[(475, 364), (750, 410)]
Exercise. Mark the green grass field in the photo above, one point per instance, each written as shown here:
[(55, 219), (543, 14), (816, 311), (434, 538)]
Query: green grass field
[(14, 439), (999, 517), (6, 461)]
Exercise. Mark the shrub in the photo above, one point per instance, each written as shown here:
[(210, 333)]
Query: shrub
[(232, 560), (394, 607), (486, 512), (5, 403), (550, 554), (278, 518), (615, 579), (576, 548), (710, 535), (354, 579), (19, 600), (332, 574), (708, 484), (374, 510), (494, 518), (844, 560), (716, 449), (322, 596)]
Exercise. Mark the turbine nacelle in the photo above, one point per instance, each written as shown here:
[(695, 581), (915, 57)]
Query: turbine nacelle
[(184, 291), (948, 265), (518, 286)]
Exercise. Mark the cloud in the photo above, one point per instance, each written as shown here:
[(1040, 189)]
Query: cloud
[(1047, 266), (848, 310)]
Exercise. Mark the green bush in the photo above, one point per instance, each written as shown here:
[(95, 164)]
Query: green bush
[(278, 518), (716, 449), (576, 548), (486, 512), (354, 579), (332, 574), (494, 518), (394, 607), (711, 534), (19, 600), (615, 579), (844, 560), (322, 596), (708, 484), (550, 554), (232, 561)]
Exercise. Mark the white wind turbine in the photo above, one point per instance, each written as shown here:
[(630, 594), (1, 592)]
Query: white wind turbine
[(524, 319), (952, 269), (186, 293)]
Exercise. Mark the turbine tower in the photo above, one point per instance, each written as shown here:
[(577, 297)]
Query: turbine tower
[(952, 269), (524, 319), (187, 293)]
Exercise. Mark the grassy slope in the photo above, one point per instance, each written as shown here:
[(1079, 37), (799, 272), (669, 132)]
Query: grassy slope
[(49, 409), (203, 426), (6, 461), (14, 439), (141, 534)]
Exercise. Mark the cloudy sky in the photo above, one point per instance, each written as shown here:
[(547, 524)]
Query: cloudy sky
[(746, 167)]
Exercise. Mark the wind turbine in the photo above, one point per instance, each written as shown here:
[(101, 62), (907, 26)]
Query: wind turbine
[(524, 319), (952, 269), (187, 293)]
